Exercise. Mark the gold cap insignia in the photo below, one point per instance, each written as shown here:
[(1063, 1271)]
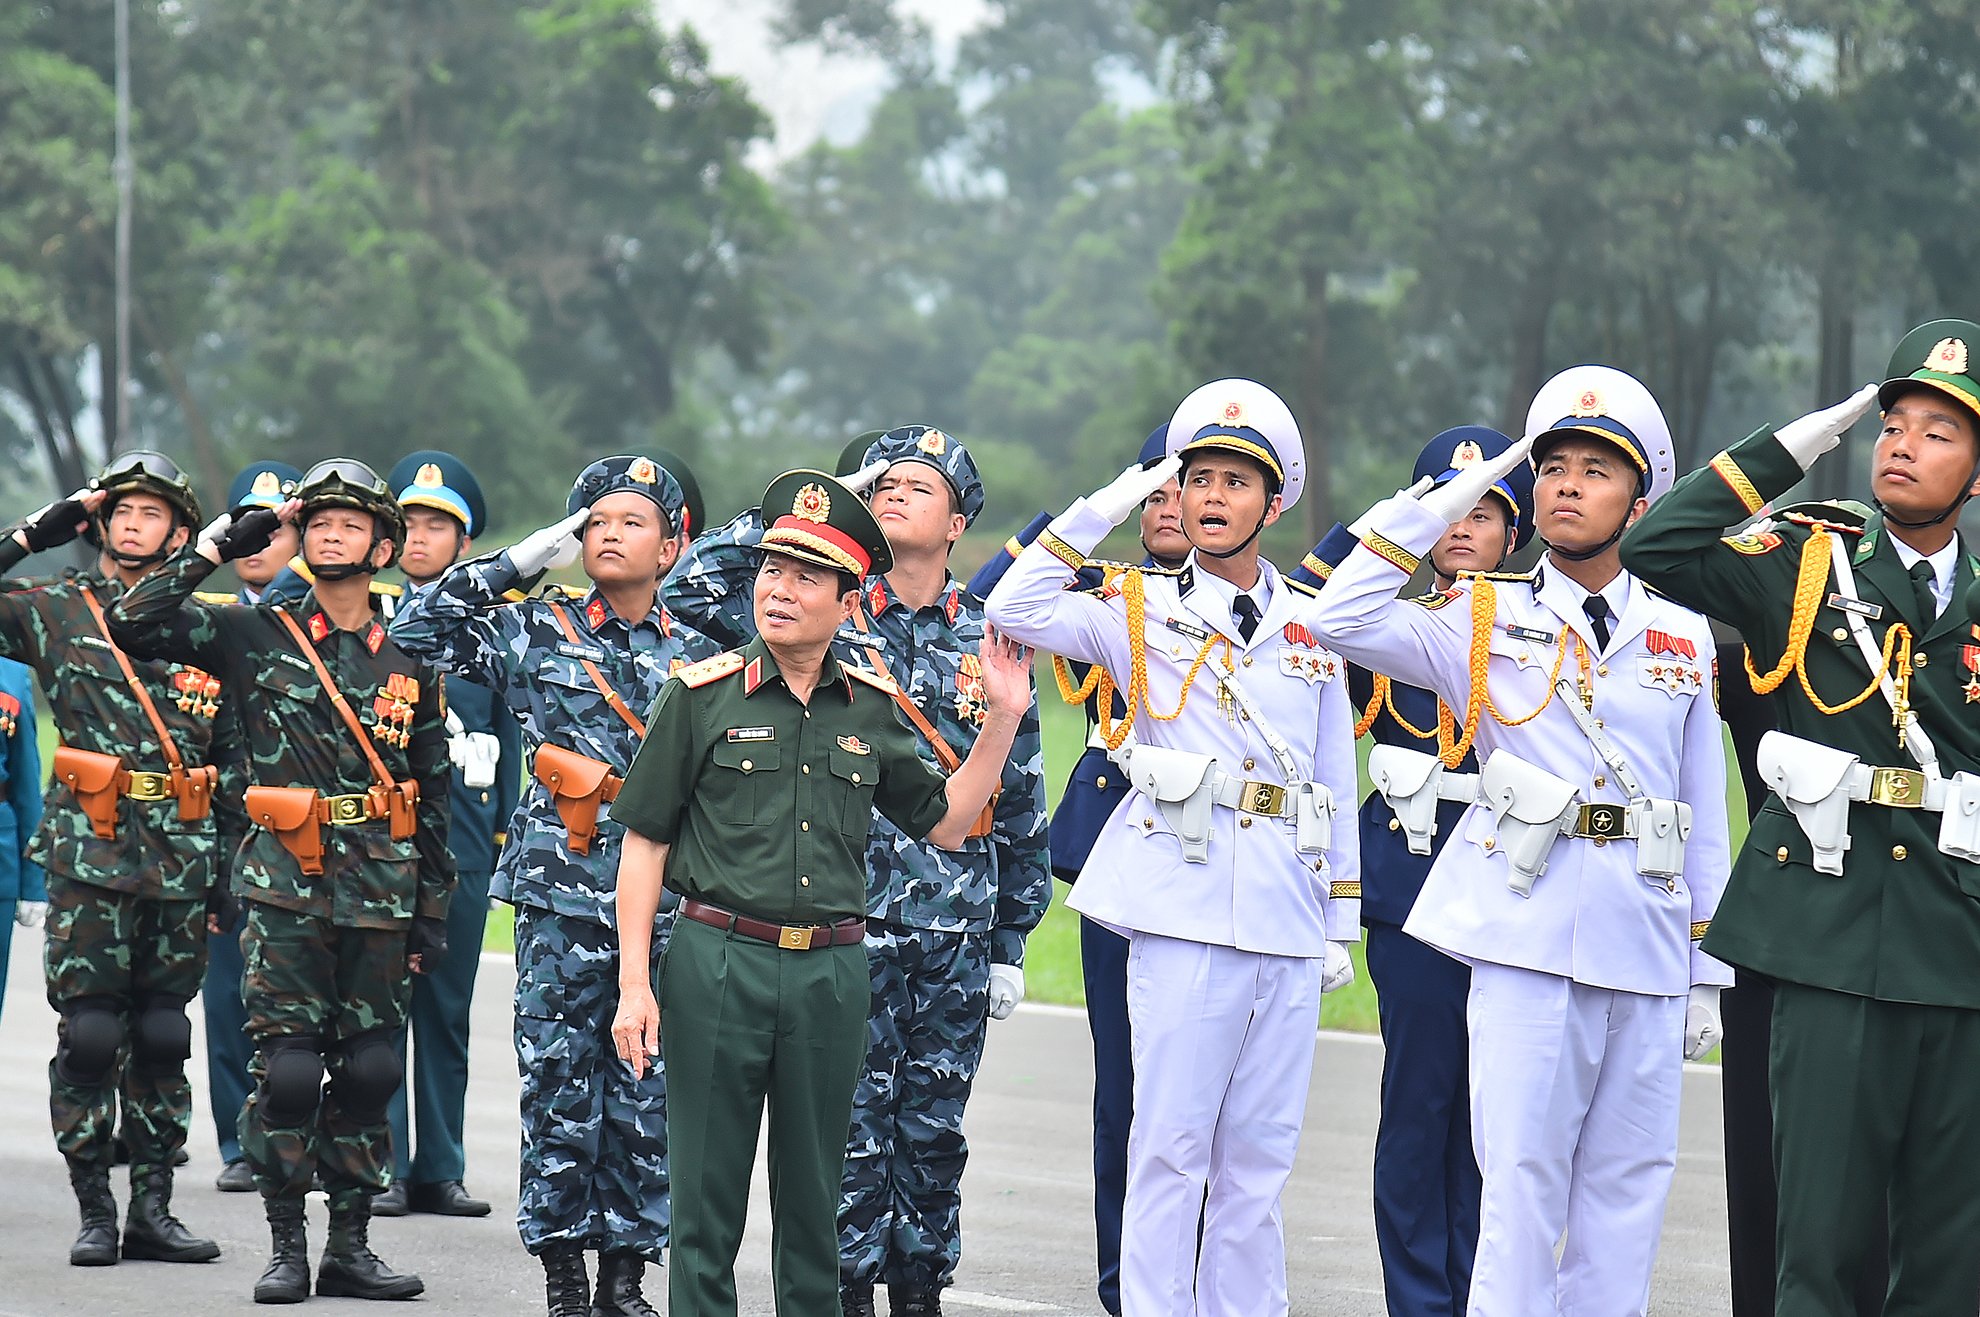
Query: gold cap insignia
[(932, 443), (1588, 404), (1466, 454), (1948, 357), (1234, 413), (641, 472), (267, 484), (429, 477), (812, 503)]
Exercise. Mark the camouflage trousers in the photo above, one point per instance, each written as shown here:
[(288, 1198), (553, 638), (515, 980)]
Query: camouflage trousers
[(337, 989), (594, 1139), (127, 952), (900, 1209)]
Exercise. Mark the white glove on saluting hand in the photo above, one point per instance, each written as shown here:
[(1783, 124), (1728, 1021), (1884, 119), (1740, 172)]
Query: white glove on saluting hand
[(1816, 433), (1460, 494), (1006, 990), (1123, 496), (1337, 970), (540, 549), (30, 913), (867, 476), (1702, 1029)]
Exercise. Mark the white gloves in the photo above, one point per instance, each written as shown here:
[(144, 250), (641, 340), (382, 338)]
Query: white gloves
[(1460, 494), (1818, 432), (29, 914), (1337, 970), (544, 548), (1122, 497), (1702, 1029), (1006, 990), (866, 477)]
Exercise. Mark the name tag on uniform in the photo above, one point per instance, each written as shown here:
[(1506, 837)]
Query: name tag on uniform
[(294, 661), (752, 734), (93, 642), (1183, 628), (1529, 633), (591, 652), (1861, 607)]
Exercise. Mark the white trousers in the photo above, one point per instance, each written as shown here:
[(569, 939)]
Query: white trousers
[(1223, 1055), (1574, 1116)]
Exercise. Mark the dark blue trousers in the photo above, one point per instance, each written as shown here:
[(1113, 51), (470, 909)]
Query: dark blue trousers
[(228, 1050), (1426, 1179), (1103, 957), (438, 1022)]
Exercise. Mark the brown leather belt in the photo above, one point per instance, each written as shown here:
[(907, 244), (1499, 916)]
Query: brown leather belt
[(790, 937)]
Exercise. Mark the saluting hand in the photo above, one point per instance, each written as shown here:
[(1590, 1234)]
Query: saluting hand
[(636, 1028), (1460, 494), (1816, 433), (1006, 672), (59, 522), (556, 545)]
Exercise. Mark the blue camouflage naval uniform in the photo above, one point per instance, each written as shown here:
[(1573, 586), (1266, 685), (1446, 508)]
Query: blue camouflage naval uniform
[(594, 1138), (936, 920), (20, 801)]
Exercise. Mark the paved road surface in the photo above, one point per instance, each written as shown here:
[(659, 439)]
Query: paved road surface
[(1027, 1209)]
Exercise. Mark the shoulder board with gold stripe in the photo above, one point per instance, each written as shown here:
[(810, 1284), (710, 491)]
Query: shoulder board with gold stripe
[(1525, 576), (1437, 598), (554, 593), (215, 597), (1300, 586), (515, 596), (1824, 516), (711, 669), (870, 677), (387, 589)]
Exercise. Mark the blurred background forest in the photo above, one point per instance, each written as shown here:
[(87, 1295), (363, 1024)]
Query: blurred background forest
[(537, 232)]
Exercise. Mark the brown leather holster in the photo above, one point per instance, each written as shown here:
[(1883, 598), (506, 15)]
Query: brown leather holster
[(193, 789), (96, 781), (579, 785), (399, 806), (295, 816)]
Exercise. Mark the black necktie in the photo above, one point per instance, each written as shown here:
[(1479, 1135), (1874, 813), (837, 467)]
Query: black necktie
[(1923, 579), (1245, 609), (1597, 609)]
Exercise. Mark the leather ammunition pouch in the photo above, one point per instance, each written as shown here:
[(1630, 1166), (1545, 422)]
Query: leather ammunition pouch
[(579, 786), (96, 781)]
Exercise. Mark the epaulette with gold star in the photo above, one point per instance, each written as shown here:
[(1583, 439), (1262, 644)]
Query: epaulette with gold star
[(696, 675), (215, 597), (870, 677), (1844, 518)]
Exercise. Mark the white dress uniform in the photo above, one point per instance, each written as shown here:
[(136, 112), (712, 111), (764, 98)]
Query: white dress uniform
[(1578, 990), (1225, 953)]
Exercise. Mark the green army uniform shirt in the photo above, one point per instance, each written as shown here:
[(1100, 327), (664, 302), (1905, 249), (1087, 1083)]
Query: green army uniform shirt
[(1901, 923), (767, 802)]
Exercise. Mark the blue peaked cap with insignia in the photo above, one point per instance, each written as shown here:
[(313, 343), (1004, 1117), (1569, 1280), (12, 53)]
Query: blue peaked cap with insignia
[(1468, 445), (944, 452), (262, 485), (430, 478), (629, 473), (1155, 447)]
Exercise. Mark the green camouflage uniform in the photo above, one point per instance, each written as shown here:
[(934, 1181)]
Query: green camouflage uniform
[(326, 984)]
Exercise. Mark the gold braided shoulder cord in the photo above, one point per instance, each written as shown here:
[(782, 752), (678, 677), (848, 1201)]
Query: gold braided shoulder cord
[(1811, 576), (1384, 698), (1484, 614), (1100, 682)]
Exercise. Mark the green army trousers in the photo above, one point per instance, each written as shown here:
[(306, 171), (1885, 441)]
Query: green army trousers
[(1875, 1099), (741, 1022)]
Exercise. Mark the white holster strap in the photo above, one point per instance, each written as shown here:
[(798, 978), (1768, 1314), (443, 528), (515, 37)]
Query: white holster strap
[(1959, 825), (1661, 828), (1178, 781), (1531, 808), (1412, 783)]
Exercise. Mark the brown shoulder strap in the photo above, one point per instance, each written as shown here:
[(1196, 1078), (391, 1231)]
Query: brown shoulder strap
[(944, 752), (343, 706), (137, 687), (598, 678)]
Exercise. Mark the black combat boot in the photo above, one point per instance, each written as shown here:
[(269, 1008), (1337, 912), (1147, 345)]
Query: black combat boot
[(564, 1281), (96, 1242), (151, 1232), (619, 1275), (856, 1299), (349, 1268), (287, 1277), (914, 1301)]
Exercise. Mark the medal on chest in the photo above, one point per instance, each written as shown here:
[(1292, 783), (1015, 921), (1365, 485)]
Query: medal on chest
[(10, 714), (972, 702), (196, 692), (392, 710), (1970, 656), (1302, 657)]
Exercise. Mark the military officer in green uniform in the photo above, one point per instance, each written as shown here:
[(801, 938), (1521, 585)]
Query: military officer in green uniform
[(1858, 890), (752, 799)]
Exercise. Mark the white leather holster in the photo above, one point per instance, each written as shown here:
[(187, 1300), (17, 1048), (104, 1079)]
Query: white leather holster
[(1530, 809), (1178, 781), (1412, 783)]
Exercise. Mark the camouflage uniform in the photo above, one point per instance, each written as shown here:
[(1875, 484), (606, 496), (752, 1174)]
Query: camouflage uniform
[(936, 920), (126, 924), (594, 1138), (326, 955)]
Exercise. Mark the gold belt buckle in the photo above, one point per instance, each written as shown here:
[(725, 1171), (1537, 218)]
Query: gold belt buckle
[(795, 937), (1264, 798), (347, 810), (1900, 788), (149, 786), (1604, 821)]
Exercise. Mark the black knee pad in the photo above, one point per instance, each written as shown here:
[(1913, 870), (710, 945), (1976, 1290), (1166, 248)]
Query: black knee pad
[(291, 1079), (162, 1039), (87, 1043), (370, 1074)]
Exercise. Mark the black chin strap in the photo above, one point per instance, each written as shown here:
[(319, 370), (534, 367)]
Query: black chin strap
[(1952, 510), (135, 562), (1256, 531)]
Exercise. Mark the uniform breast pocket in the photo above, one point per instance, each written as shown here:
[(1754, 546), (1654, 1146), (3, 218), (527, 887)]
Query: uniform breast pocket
[(855, 775), (740, 787), (287, 688)]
